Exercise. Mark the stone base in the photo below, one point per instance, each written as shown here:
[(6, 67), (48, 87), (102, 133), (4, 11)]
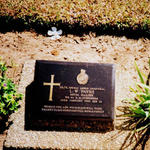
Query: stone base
[(19, 138)]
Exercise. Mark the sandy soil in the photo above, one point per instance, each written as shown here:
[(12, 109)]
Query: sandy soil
[(17, 48)]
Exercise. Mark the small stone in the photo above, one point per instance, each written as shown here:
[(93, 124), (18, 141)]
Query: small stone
[(55, 52)]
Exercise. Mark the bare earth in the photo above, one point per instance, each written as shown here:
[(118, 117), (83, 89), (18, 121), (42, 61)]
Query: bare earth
[(17, 48)]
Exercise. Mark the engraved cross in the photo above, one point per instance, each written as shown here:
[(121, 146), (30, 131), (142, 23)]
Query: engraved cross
[(51, 84)]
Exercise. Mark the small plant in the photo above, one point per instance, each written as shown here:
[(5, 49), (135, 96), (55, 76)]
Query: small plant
[(137, 110), (8, 94), (140, 104)]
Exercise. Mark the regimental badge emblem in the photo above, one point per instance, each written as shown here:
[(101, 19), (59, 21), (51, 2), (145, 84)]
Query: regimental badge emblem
[(82, 77)]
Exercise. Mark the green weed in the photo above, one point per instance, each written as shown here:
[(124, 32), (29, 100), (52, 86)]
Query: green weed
[(9, 97)]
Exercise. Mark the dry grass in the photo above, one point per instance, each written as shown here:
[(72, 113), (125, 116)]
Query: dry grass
[(120, 13)]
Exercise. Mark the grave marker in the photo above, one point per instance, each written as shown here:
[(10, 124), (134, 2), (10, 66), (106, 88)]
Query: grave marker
[(70, 91)]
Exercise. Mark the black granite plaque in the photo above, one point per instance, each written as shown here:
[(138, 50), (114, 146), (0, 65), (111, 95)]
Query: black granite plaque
[(71, 90)]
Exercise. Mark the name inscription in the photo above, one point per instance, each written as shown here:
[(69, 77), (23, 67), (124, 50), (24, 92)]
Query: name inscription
[(77, 95)]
